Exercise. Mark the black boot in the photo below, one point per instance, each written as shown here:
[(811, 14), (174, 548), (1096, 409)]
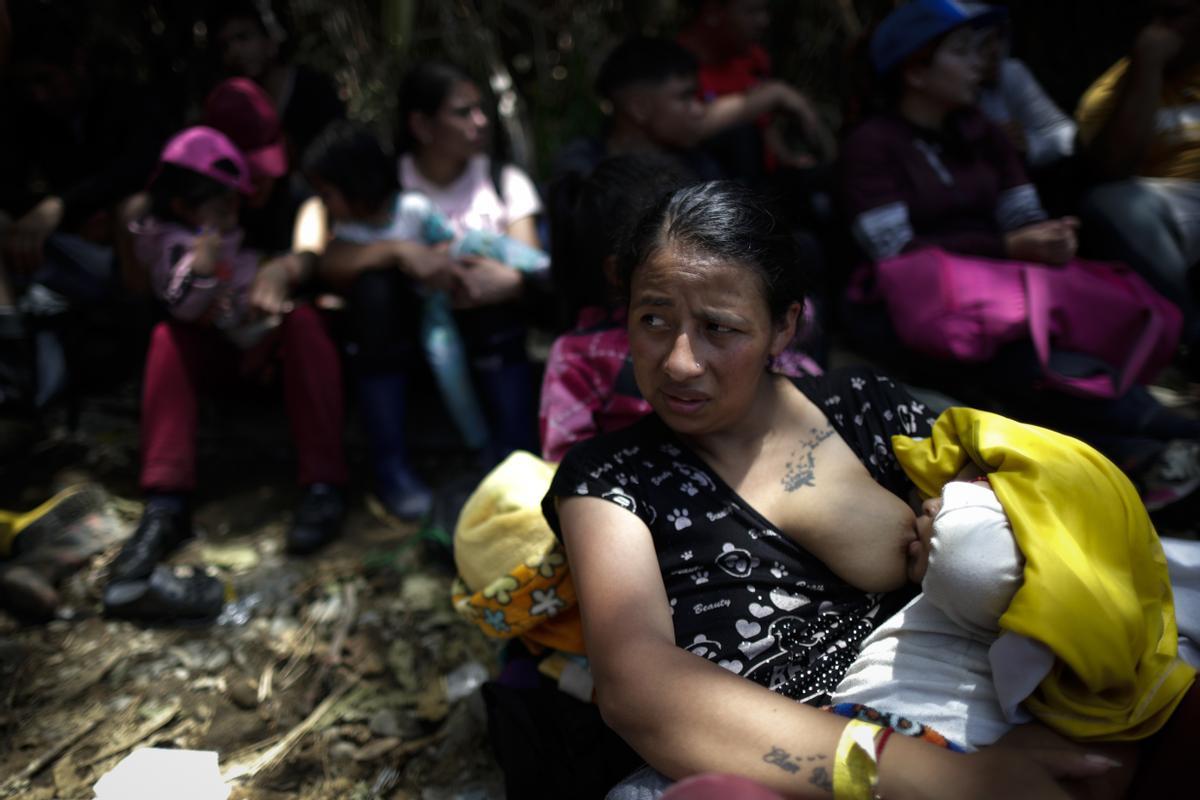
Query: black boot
[(318, 519), (165, 524)]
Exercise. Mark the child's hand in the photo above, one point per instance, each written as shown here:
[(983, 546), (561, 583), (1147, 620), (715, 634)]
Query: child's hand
[(271, 290), (429, 266), (206, 252), (486, 282)]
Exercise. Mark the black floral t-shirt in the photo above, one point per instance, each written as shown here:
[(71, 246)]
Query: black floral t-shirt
[(742, 594)]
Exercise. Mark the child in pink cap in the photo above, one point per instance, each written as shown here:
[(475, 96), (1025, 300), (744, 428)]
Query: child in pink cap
[(230, 312)]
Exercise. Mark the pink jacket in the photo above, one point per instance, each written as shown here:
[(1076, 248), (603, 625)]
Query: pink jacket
[(221, 299)]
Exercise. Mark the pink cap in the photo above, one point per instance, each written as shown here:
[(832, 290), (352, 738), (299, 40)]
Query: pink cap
[(210, 153), (243, 111)]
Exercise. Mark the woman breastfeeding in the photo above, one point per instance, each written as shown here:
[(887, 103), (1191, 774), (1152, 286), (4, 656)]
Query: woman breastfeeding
[(731, 550)]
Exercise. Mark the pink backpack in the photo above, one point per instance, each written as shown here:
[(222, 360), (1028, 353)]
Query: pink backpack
[(964, 308)]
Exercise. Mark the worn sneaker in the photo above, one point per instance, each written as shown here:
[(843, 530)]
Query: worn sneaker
[(318, 518), (166, 596), (1173, 476)]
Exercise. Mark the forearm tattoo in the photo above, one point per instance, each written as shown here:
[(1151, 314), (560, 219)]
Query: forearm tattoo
[(800, 469), (794, 765)]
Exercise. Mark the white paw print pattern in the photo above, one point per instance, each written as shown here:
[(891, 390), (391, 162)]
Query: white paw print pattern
[(858, 383), (699, 577), (687, 555), (779, 570), (703, 646), (680, 518), (736, 561), (834, 400), (689, 489)]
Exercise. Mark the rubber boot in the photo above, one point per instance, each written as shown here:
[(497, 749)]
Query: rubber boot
[(383, 399)]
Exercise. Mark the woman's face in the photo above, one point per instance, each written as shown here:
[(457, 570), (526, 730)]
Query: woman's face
[(700, 333), (952, 78), (459, 129)]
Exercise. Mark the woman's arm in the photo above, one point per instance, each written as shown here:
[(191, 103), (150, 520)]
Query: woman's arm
[(524, 230), (686, 715)]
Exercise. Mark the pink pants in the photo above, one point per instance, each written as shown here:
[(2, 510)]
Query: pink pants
[(184, 359)]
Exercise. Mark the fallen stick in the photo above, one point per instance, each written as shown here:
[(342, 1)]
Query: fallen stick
[(281, 749), (143, 731), (54, 753)]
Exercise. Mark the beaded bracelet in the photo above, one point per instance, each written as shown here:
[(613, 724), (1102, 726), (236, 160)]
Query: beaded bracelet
[(856, 765)]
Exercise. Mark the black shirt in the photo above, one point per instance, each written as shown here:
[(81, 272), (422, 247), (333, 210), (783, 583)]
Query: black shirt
[(742, 594)]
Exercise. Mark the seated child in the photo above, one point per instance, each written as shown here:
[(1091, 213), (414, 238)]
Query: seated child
[(1045, 595), (191, 241), (357, 182), (228, 314)]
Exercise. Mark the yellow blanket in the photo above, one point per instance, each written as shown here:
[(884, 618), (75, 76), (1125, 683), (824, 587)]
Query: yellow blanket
[(513, 578), (1096, 590)]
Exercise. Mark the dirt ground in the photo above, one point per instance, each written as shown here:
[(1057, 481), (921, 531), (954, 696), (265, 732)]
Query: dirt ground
[(325, 677)]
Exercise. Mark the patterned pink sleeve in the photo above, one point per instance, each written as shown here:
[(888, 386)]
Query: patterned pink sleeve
[(186, 295), (570, 399)]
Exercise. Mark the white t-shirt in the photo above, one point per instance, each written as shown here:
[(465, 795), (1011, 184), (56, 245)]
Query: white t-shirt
[(471, 202), (407, 223)]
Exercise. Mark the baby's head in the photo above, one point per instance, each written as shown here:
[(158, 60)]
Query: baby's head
[(350, 170), (970, 503)]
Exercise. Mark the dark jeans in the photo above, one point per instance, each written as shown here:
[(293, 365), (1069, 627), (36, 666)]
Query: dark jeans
[(384, 312)]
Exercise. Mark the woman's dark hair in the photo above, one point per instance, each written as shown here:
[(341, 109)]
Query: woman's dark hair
[(424, 89), (223, 12), (350, 158), (641, 60), (723, 220), (175, 183), (590, 216)]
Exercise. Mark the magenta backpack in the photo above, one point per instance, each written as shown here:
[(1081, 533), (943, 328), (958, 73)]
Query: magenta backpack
[(964, 308)]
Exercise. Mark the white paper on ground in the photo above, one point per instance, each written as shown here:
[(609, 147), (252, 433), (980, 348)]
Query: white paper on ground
[(152, 773)]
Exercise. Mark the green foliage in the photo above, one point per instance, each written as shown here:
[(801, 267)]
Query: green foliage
[(539, 57)]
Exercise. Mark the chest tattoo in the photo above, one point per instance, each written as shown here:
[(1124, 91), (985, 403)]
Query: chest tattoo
[(800, 470)]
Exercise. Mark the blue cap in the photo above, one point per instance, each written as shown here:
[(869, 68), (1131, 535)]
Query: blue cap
[(914, 25)]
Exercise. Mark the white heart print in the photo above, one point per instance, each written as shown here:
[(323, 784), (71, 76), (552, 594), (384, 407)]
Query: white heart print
[(747, 628), (760, 611), (787, 602)]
